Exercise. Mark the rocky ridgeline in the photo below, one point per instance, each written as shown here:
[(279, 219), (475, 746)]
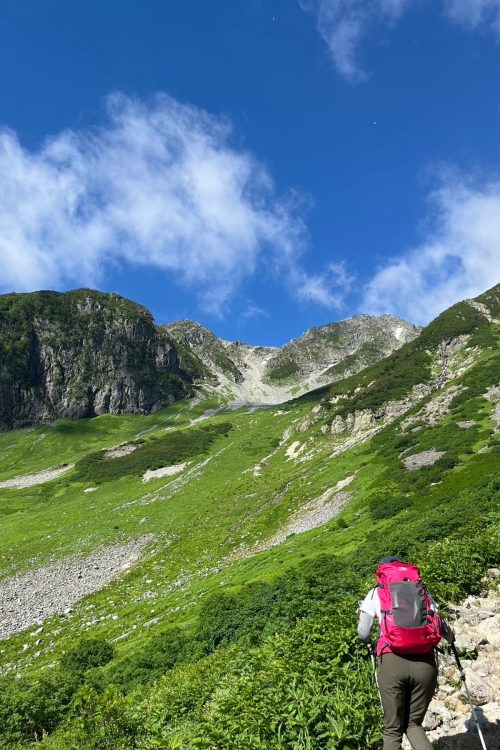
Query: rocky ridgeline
[(84, 353), (477, 628), (271, 375)]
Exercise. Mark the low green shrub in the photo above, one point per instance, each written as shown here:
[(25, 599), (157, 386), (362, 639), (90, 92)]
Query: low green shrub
[(175, 447), (168, 648), (388, 507), (87, 654), (32, 707)]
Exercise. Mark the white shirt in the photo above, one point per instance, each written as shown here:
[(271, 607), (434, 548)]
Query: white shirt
[(370, 610), (371, 604)]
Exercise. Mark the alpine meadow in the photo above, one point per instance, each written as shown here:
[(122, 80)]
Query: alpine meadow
[(188, 524)]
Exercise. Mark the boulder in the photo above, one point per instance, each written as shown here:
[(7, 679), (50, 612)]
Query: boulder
[(489, 629), (480, 688), (467, 639), (437, 714)]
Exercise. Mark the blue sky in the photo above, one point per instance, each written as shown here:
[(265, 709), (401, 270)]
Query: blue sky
[(261, 166)]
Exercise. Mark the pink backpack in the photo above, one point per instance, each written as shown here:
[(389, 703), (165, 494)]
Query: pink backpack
[(408, 624)]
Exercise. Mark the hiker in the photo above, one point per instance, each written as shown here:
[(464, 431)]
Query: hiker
[(410, 628)]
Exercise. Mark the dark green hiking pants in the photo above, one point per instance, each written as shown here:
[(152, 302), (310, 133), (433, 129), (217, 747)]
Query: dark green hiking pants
[(406, 685)]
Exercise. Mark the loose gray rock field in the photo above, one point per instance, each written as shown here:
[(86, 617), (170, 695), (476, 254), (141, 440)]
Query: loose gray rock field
[(28, 599), (30, 480), (417, 460)]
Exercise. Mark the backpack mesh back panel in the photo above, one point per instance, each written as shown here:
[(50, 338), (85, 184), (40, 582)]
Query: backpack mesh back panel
[(408, 604)]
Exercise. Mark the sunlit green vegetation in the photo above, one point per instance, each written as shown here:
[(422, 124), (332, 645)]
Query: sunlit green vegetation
[(207, 642)]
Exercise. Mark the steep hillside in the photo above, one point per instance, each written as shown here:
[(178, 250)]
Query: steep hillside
[(80, 354), (188, 579), (447, 350)]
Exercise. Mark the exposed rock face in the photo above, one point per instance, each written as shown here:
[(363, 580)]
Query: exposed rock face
[(207, 347), (341, 349), (271, 375), (80, 354)]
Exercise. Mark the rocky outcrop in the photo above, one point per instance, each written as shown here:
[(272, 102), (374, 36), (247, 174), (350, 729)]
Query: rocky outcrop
[(80, 354), (493, 396), (425, 458), (449, 721), (362, 421)]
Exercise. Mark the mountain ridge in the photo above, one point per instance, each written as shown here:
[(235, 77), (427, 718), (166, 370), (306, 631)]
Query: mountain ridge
[(83, 353), (274, 374)]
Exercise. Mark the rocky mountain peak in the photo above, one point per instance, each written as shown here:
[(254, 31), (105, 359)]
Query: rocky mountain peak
[(267, 374)]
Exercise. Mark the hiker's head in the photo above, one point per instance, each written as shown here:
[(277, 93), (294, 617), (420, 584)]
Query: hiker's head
[(389, 559)]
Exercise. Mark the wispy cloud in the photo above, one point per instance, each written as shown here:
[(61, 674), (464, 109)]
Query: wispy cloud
[(159, 184), (474, 13), (327, 289), (460, 258), (253, 311), (343, 24)]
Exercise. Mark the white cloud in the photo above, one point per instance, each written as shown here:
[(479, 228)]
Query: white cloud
[(459, 259), (327, 289), (159, 184), (474, 13), (344, 23)]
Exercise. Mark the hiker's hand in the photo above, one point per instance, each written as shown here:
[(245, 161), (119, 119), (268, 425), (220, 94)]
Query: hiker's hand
[(449, 635)]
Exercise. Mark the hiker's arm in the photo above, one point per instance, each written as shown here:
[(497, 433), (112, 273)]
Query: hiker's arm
[(447, 631), (364, 625)]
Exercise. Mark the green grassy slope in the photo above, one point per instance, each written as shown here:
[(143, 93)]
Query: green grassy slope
[(220, 640)]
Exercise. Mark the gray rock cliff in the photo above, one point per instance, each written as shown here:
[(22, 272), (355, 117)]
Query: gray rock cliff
[(80, 354)]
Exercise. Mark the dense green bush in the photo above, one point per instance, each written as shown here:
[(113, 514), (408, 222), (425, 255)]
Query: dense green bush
[(168, 648), (309, 687), (175, 447), (105, 721), (260, 609), (388, 507), (31, 707), (87, 654), (454, 567)]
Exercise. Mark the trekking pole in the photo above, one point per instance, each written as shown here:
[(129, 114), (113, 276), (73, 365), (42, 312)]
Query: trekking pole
[(469, 698), (374, 666)]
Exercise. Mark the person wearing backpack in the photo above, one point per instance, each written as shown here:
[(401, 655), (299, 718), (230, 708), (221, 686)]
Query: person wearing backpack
[(410, 628)]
